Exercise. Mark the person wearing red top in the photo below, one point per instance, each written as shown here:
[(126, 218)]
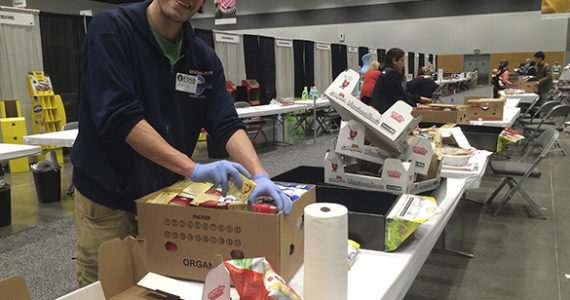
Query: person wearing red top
[(370, 78)]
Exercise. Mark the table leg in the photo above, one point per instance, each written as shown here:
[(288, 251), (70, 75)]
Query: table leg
[(451, 250)]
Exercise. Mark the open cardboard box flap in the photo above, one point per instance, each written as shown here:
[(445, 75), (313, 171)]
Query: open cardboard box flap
[(14, 288), (122, 263)]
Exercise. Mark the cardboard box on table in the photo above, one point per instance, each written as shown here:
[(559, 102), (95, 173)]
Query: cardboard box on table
[(443, 113), (526, 85), (397, 177), (351, 142), (182, 241), (486, 109), (387, 131)]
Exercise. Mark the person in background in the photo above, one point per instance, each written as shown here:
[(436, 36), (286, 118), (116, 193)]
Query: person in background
[(388, 88), (501, 80), (524, 66), (557, 68), (149, 86), (543, 77), (369, 81), (531, 70)]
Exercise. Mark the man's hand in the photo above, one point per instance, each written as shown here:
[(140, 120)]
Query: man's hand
[(217, 172), (425, 100), (265, 187)]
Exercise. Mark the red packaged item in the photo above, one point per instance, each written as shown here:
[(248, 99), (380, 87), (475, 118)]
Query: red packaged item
[(180, 201), (263, 208), (215, 204), (255, 279)]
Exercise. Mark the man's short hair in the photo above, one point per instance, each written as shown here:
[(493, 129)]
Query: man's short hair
[(539, 54)]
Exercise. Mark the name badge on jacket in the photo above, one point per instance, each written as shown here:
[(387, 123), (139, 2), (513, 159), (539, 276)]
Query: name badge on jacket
[(191, 84)]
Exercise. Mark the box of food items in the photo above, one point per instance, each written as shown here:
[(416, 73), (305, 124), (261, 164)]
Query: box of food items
[(189, 223), (443, 113)]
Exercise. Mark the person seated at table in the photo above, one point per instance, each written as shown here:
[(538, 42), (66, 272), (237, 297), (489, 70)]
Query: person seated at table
[(388, 88), (557, 68), (369, 81)]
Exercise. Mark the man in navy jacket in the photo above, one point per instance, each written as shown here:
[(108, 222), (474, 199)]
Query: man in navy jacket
[(149, 85)]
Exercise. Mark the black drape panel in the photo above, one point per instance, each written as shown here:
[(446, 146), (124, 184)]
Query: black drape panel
[(361, 52), (267, 46), (421, 60), (252, 54), (435, 67), (260, 64), (411, 65), (381, 55), (206, 35), (339, 59), (309, 63), (299, 59), (62, 37), (430, 58)]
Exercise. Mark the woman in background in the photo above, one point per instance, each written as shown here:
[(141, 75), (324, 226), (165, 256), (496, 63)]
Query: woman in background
[(501, 81), (388, 88), (369, 81)]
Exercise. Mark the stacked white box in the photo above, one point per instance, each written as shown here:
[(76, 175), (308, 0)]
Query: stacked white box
[(402, 157)]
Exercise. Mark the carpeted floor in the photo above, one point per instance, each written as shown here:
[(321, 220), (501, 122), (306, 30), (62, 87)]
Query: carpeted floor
[(43, 255)]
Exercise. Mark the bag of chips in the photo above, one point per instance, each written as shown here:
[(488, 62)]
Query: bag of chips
[(255, 279)]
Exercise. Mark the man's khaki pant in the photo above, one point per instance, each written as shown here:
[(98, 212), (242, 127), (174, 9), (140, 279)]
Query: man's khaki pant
[(96, 224)]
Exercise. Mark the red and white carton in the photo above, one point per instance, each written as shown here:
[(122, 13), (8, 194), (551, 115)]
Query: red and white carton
[(387, 131)]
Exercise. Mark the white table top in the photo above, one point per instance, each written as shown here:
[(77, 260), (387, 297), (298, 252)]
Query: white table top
[(510, 114), (267, 110), (389, 275), (472, 178), (64, 138), (12, 151), (525, 97), (512, 102), (321, 103)]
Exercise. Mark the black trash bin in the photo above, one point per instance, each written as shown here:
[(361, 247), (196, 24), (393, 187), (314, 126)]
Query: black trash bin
[(47, 179), (5, 204)]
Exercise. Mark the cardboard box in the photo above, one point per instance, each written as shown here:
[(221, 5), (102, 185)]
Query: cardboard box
[(387, 131), (14, 288), (486, 109), (442, 114), (527, 86), (182, 241), (351, 142)]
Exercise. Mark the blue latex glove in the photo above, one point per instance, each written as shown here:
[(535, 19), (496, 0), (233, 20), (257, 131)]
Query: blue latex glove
[(265, 187), (217, 172)]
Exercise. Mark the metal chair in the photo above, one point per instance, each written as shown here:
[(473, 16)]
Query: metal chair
[(558, 115), (522, 169), (254, 126), (539, 115)]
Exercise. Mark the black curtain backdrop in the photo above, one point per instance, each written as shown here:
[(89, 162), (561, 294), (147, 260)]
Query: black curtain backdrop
[(309, 63), (361, 52), (411, 66), (421, 60), (381, 55), (252, 54), (62, 38), (267, 46), (339, 59), (430, 58), (206, 35)]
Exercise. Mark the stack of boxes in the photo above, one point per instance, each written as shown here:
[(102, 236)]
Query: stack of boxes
[(406, 164)]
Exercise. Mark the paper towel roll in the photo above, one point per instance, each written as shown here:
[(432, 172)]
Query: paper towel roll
[(326, 234)]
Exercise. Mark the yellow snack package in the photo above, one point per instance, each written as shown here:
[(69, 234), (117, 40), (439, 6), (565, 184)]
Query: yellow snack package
[(179, 186), (241, 194), (163, 198), (197, 188)]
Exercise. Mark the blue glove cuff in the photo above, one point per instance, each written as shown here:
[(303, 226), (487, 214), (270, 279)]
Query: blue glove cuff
[(192, 177), (260, 175)]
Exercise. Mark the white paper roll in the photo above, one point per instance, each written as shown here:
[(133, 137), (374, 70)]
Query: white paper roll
[(326, 234)]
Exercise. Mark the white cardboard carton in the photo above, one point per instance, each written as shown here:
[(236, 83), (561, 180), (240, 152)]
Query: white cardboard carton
[(387, 131), (350, 142)]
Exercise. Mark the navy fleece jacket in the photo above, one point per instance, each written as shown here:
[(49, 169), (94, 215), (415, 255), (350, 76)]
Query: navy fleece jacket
[(127, 78)]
